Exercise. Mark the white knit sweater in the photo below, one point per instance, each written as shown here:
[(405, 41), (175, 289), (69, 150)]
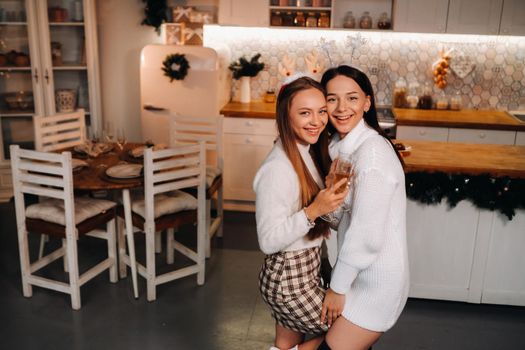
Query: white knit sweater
[(372, 262), (282, 225)]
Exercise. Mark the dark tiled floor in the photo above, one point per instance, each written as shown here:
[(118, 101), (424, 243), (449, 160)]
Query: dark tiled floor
[(225, 313)]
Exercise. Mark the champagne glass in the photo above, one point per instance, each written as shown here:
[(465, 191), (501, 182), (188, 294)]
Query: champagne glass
[(121, 138), (344, 169), (109, 131)]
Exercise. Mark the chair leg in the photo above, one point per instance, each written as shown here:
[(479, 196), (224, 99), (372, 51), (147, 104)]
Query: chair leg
[(43, 240), (170, 254), (202, 241), (64, 244), (123, 271), (112, 251), (72, 261), (150, 262), (220, 210), (131, 240), (208, 228), (158, 242), (25, 262)]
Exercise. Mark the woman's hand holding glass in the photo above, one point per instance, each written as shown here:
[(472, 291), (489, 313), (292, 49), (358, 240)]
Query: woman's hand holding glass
[(342, 169), (327, 200)]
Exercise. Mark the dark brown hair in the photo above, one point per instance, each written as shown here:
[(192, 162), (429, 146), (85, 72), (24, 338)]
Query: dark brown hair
[(370, 117), (308, 187)]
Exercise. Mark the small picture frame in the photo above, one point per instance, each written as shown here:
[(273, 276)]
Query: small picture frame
[(173, 33)]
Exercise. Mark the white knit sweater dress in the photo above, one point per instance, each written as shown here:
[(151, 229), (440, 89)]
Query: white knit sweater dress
[(372, 262)]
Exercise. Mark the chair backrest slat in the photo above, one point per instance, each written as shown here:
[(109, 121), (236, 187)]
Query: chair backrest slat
[(42, 179), (174, 175), (178, 162), (40, 167), (42, 191), (177, 185), (59, 131)]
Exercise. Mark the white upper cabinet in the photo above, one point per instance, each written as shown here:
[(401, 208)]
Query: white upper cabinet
[(244, 13), (474, 16), (513, 18), (420, 16)]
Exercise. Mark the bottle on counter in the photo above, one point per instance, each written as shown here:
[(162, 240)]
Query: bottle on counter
[(425, 100), (384, 22), (365, 22), (311, 20), (276, 19), (324, 20), (349, 21), (456, 102), (399, 98), (442, 102), (299, 20), (413, 95), (288, 19)]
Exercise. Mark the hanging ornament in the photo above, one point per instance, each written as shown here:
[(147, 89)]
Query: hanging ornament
[(175, 66)]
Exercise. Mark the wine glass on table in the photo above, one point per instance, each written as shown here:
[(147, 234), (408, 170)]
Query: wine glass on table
[(109, 131), (344, 169), (121, 138)]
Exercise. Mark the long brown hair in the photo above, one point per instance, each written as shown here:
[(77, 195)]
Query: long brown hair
[(370, 117), (308, 187)]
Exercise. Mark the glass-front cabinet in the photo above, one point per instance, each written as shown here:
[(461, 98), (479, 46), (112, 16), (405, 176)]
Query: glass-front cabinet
[(48, 50)]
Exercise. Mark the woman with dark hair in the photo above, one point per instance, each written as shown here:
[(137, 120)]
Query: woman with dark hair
[(290, 198), (370, 280)]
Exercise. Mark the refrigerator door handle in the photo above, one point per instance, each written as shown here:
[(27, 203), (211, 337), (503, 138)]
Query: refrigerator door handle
[(154, 108)]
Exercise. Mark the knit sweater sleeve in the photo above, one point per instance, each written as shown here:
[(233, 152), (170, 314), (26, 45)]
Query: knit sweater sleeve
[(279, 220), (365, 236)]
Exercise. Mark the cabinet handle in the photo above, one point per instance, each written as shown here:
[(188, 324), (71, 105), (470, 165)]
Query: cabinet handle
[(154, 108), (250, 123), (36, 75), (46, 76), (482, 135), (422, 132), (249, 140)]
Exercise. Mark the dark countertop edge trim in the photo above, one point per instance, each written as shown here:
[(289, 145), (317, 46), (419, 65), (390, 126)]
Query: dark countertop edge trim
[(461, 125), (515, 174), (239, 114)]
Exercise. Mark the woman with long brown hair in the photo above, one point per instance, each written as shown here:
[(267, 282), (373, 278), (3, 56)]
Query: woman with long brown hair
[(290, 198)]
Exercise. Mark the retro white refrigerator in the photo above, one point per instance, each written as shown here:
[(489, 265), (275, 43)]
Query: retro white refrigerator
[(203, 91)]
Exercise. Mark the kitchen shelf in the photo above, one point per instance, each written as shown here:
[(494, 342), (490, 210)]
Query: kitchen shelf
[(17, 113), (300, 8), (72, 66), (14, 68), (13, 23), (66, 24)]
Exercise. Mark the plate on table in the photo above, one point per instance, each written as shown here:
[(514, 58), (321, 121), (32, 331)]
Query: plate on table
[(78, 164), (125, 171)]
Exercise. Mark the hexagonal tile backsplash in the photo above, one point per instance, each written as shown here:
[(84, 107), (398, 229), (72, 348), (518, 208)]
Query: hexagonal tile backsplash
[(493, 67)]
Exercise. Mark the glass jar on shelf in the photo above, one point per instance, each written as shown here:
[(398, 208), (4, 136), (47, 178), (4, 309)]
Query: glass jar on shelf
[(319, 3), (311, 20), (349, 21), (324, 20), (456, 102), (299, 20), (365, 22), (442, 101), (303, 3), (399, 98), (276, 19), (413, 95), (425, 100), (384, 21), (288, 19), (284, 3)]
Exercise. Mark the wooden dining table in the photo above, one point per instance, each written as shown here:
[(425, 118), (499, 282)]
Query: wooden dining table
[(94, 178)]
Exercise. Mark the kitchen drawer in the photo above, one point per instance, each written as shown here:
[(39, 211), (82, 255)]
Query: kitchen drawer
[(520, 138), (422, 133), (497, 137), (250, 126)]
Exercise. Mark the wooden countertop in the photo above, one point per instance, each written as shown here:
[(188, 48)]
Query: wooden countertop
[(473, 159), (467, 118), (254, 109)]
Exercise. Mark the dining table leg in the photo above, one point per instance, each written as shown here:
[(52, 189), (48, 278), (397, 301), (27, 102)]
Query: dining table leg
[(131, 241)]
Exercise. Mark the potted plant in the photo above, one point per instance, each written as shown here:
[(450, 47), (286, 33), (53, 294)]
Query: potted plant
[(244, 69)]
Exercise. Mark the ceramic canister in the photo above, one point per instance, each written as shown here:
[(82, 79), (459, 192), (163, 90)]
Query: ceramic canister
[(66, 100)]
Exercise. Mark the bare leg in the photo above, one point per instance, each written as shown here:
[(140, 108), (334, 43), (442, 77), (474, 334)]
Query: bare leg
[(286, 338), (345, 335), (311, 344)]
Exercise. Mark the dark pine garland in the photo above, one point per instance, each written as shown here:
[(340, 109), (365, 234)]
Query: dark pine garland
[(486, 192), (155, 12)]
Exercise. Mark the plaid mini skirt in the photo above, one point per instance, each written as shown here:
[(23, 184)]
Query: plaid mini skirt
[(289, 283)]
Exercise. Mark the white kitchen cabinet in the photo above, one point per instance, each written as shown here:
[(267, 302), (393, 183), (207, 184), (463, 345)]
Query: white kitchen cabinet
[(513, 18), (247, 142), (520, 138), (247, 13), (420, 16), (474, 16), (504, 277), (42, 29), (497, 137), (424, 133)]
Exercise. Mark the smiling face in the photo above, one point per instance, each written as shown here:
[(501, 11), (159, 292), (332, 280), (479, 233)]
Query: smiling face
[(346, 103), (308, 116)]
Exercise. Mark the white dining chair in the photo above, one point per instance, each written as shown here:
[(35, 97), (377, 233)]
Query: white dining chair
[(166, 207), (59, 131), (59, 213), (187, 130)]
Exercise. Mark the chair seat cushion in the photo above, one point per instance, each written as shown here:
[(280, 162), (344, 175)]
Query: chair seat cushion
[(167, 203), (52, 210), (211, 174)]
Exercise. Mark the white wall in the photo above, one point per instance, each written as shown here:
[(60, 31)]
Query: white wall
[(121, 38)]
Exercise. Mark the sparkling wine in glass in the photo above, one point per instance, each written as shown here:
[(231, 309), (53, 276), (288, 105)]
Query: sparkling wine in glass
[(344, 169), (121, 138), (109, 131)]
